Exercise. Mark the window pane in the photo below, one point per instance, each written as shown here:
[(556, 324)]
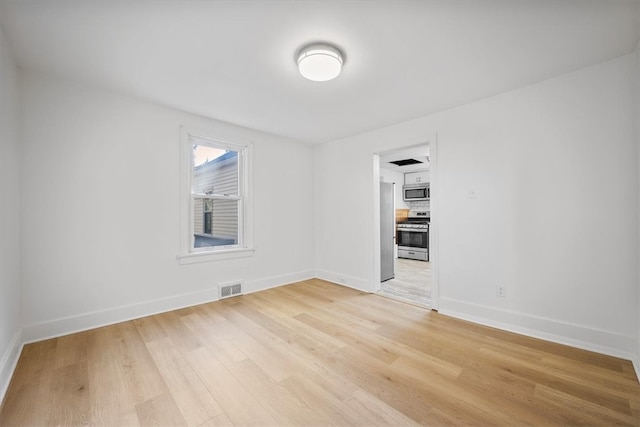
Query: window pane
[(215, 222), (215, 171)]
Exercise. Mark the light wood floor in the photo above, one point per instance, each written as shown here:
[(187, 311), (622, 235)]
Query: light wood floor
[(314, 353), (412, 282)]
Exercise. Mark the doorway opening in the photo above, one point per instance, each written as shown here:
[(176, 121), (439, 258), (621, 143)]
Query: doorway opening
[(405, 222), (412, 282)]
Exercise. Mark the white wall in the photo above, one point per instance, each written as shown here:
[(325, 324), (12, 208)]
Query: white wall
[(100, 219), (10, 339), (554, 167)]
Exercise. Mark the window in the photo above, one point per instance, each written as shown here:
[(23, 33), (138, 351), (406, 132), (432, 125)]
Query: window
[(215, 204)]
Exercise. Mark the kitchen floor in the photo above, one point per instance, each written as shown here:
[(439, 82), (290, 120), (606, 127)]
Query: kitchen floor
[(412, 282)]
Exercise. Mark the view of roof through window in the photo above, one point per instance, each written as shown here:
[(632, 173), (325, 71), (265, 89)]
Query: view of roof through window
[(203, 154)]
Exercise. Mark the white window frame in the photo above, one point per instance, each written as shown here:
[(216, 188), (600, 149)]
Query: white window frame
[(188, 254)]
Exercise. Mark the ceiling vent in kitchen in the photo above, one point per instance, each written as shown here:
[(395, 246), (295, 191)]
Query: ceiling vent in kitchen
[(406, 162)]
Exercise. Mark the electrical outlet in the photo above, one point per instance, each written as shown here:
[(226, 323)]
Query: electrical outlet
[(501, 291)]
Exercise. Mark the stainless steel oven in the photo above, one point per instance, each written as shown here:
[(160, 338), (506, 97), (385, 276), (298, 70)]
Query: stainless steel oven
[(413, 236)]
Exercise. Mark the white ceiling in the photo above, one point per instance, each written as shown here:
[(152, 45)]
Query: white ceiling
[(234, 60)]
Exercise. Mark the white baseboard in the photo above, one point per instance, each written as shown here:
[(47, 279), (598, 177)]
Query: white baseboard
[(636, 365), (9, 361), (578, 336), (251, 286), (344, 280)]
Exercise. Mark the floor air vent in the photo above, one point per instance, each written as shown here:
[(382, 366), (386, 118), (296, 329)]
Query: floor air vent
[(227, 291)]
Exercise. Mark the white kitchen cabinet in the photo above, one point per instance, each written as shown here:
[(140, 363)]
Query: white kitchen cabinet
[(416, 177)]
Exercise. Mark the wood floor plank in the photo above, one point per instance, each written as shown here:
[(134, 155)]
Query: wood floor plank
[(210, 334), (191, 396), (160, 411), (109, 398), (296, 330), (30, 385), (377, 411), (306, 356), (423, 365), (591, 412), (561, 382), (149, 328), (141, 374), (179, 333), (604, 379), (264, 348), (71, 349), (380, 350), (324, 308), (314, 353), (325, 402), (409, 394), (238, 403), (283, 406), (282, 302), (372, 375), (219, 421), (70, 395)]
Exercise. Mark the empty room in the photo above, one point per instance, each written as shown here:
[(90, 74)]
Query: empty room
[(293, 213)]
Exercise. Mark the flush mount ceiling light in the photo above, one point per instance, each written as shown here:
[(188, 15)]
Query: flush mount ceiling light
[(320, 62)]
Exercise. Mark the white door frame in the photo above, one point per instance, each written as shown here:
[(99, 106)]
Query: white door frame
[(433, 226), (375, 278)]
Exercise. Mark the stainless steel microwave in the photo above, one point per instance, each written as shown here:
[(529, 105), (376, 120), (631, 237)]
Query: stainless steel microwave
[(416, 192)]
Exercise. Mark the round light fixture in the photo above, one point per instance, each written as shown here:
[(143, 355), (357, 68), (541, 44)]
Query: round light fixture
[(320, 62)]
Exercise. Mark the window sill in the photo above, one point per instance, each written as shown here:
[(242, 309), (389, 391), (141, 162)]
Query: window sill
[(207, 256)]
